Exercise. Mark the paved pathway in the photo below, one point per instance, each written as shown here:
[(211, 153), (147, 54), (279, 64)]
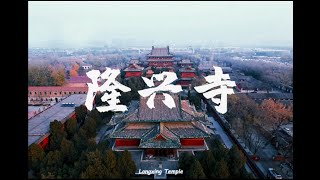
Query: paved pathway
[(152, 164)]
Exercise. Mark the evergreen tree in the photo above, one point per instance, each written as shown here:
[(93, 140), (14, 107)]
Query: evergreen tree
[(90, 127), (57, 134), (218, 150), (236, 161), (80, 140), (95, 169), (68, 151), (81, 113), (221, 169), (196, 171), (187, 164), (51, 164), (97, 99), (185, 161), (79, 166), (35, 157), (71, 127), (208, 163), (126, 165), (110, 162), (95, 114)]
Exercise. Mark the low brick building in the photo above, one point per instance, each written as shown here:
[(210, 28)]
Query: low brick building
[(51, 94)]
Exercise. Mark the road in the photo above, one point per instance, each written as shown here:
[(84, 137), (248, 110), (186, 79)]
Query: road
[(226, 140), (265, 154)]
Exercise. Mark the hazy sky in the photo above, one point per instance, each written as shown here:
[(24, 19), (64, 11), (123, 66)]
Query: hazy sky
[(223, 23)]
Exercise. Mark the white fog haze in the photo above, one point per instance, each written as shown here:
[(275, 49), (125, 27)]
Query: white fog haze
[(81, 24)]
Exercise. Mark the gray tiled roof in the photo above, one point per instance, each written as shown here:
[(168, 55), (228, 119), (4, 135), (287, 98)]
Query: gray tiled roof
[(171, 132), (134, 67), (188, 129), (161, 113), (160, 52), (149, 140), (187, 69), (129, 133), (133, 130)]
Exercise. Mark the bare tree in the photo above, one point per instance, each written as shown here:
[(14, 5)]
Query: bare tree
[(254, 139), (258, 142)]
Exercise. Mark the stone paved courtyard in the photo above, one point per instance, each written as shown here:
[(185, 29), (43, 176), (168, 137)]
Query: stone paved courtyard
[(154, 163)]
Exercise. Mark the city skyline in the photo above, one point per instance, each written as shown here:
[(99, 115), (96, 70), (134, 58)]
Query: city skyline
[(85, 24)]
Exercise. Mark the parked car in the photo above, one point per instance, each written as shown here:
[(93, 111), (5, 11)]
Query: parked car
[(273, 174), (255, 157)]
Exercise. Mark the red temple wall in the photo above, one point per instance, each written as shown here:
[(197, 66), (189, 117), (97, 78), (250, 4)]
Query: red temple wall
[(44, 143), (74, 116), (188, 74), (150, 151), (127, 142), (160, 138), (185, 83), (133, 74), (161, 64), (192, 142)]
